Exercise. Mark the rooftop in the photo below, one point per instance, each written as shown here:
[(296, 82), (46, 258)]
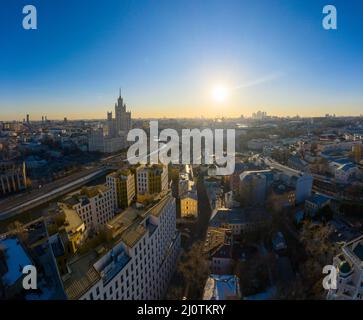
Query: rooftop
[(93, 191), (358, 250), (318, 199), (354, 250), (221, 287), (123, 173), (238, 216), (347, 166), (73, 221), (224, 215), (215, 238), (16, 258), (82, 196), (82, 277)]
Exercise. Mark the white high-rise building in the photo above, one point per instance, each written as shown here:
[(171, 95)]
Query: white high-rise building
[(137, 261)]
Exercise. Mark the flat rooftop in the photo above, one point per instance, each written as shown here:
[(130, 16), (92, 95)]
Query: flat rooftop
[(82, 277), (215, 238), (354, 249), (16, 258)]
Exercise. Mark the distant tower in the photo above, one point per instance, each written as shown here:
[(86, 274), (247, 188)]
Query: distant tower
[(27, 119), (122, 117)]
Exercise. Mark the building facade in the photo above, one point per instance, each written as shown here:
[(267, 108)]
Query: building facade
[(151, 179), (189, 205), (99, 141), (95, 205), (122, 184), (253, 187), (12, 178)]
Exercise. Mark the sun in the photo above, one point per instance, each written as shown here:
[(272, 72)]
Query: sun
[(220, 93)]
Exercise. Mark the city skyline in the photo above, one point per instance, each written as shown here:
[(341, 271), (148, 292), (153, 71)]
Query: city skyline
[(173, 59)]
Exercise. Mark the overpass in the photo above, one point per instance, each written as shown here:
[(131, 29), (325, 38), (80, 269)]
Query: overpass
[(25, 202)]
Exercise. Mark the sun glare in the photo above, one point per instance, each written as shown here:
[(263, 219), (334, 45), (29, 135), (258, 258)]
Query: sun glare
[(220, 93)]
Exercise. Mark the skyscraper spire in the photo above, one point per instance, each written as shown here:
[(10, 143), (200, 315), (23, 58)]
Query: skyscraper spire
[(120, 93)]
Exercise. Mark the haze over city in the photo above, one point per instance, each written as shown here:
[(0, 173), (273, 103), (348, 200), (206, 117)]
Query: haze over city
[(181, 59)]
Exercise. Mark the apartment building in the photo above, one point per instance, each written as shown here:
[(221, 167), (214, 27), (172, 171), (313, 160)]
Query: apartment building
[(122, 184), (187, 193), (189, 204), (301, 182), (253, 187), (99, 141), (95, 205), (151, 179), (137, 261)]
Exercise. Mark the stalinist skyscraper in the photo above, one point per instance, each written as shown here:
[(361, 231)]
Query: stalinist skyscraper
[(123, 117), (114, 137)]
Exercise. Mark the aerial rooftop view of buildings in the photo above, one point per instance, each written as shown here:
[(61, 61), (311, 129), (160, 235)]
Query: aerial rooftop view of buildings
[(80, 219)]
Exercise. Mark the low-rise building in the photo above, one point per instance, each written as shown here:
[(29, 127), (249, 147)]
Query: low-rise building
[(253, 187), (189, 205), (349, 267), (240, 220), (281, 196), (222, 287), (301, 182), (214, 192), (344, 172), (231, 219), (315, 203), (297, 163)]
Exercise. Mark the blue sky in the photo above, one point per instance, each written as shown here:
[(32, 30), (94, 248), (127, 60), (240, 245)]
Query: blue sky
[(167, 55)]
